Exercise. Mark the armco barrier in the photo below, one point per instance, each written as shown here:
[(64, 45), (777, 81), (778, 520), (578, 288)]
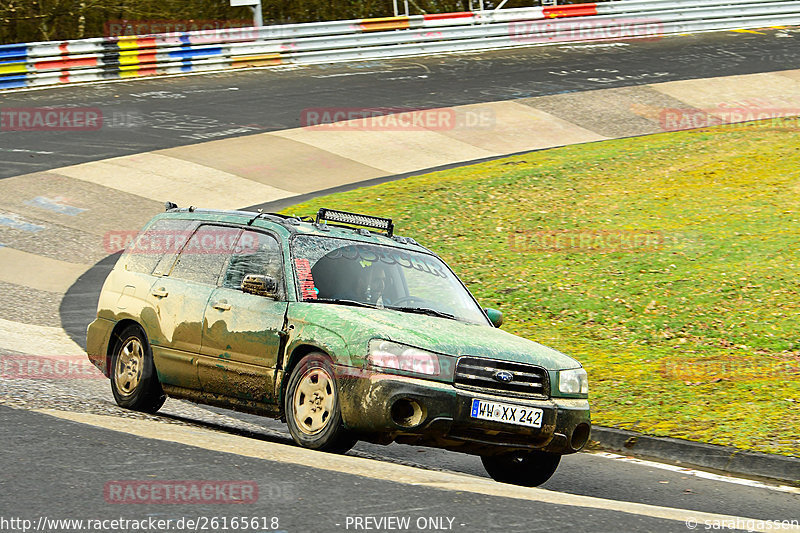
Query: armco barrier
[(51, 63)]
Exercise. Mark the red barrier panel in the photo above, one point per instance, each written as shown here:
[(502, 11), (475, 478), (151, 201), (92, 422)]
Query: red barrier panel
[(458, 15), (575, 10), (65, 63)]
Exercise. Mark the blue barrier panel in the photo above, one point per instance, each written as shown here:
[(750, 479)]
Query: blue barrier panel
[(14, 52), (188, 53), (13, 82)]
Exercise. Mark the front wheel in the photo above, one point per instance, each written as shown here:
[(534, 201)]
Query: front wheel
[(311, 405), (134, 381), (529, 469)]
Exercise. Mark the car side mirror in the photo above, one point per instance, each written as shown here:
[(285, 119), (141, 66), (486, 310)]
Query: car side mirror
[(260, 285), (495, 316)]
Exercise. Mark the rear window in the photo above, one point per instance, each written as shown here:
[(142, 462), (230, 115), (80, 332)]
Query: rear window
[(205, 254), (165, 236)]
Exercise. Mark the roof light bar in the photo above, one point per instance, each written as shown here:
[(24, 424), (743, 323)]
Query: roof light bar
[(343, 217)]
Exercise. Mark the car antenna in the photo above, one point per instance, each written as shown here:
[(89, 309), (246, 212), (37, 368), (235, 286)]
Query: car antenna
[(260, 212)]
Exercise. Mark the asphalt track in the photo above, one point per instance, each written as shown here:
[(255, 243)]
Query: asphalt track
[(303, 499), (73, 461), (150, 114)]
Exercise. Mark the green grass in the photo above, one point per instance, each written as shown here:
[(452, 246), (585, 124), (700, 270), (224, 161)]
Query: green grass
[(696, 333)]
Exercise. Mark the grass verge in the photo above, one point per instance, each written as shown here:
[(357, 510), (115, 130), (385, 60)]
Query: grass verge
[(667, 264)]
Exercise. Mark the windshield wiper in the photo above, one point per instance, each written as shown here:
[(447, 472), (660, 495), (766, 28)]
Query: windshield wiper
[(354, 303), (423, 311)]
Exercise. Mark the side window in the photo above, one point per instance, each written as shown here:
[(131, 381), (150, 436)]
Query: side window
[(255, 253), (205, 254), (164, 237)]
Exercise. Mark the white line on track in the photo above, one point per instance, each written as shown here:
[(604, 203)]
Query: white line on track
[(22, 150), (340, 75), (698, 473)]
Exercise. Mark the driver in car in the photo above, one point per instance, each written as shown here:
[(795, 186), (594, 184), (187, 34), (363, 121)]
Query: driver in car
[(371, 285)]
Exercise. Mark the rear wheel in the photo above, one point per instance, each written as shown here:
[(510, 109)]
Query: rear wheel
[(528, 469), (311, 405), (134, 381)]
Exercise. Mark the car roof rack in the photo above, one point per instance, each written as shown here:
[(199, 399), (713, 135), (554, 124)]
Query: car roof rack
[(342, 219), (355, 219), (172, 206)]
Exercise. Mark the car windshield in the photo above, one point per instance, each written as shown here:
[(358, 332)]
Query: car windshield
[(331, 270)]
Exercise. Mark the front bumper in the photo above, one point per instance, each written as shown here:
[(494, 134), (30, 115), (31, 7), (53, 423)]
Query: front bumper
[(367, 400)]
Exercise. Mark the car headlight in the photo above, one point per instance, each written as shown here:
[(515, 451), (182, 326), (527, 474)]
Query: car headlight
[(573, 381), (385, 354)]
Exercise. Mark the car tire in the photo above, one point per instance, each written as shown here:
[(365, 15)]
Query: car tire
[(311, 404), (134, 381), (528, 469)]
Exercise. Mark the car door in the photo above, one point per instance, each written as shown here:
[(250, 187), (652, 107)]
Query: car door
[(179, 298), (241, 331)]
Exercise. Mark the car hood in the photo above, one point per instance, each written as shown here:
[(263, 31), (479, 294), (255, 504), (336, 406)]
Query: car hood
[(357, 325)]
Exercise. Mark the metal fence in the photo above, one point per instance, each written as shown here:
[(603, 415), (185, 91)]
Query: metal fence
[(108, 58)]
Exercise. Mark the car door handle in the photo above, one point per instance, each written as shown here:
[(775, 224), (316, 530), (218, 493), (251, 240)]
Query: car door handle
[(221, 305), (159, 293)]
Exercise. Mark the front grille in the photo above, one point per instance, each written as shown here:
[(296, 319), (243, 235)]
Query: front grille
[(476, 373)]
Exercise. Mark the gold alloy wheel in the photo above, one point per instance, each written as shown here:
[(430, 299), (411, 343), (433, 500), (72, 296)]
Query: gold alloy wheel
[(128, 370), (313, 400)]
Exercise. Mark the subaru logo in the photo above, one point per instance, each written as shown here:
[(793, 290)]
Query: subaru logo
[(503, 376)]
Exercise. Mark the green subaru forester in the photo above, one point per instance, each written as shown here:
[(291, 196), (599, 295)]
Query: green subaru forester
[(339, 327)]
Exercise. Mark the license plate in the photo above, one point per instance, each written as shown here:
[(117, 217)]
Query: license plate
[(506, 412)]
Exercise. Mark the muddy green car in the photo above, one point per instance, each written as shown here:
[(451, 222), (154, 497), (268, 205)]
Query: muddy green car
[(339, 327)]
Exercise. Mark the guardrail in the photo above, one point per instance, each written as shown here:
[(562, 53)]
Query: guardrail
[(108, 58)]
